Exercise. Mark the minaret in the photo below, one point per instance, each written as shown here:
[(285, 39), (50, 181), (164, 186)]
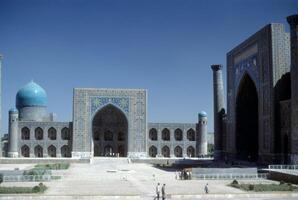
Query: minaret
[(1, 57), (293, 21), (202, 143), (13, 133), (218, 106)]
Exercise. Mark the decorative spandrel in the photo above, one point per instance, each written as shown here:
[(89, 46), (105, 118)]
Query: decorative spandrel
[(98, 102), (247, 64)]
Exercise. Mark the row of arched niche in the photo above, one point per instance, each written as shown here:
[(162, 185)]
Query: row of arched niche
[(166, 136), (165, 151), (51, 151), (39, 133)]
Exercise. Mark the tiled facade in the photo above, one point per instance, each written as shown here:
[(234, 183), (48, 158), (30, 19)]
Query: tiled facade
[(55, 136), (264, 58), (89, 134), (180, 139)]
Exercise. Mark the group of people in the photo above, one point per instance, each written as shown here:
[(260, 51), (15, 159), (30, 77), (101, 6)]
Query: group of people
[(183, 175), (160, 191)]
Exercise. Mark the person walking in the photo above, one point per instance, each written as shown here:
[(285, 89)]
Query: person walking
[(163, 192), (206, 189), (157, 191)]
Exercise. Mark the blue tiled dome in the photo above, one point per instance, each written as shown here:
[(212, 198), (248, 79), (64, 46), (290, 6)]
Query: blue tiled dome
[(31, 95), (202, 114)]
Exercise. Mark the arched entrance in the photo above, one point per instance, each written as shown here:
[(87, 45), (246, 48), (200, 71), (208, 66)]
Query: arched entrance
[(247, 120), (110, 129), (152, 151)]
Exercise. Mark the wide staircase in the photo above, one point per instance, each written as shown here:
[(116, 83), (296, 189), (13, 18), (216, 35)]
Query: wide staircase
[(109, 160)]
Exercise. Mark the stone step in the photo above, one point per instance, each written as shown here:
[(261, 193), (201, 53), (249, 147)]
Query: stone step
[(109, 160)]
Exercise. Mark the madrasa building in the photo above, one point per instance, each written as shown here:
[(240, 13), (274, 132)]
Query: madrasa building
[(261, 120), (106, 122)]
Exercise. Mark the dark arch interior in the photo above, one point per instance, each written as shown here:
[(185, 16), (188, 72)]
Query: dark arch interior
[(110, 128), (247, 120)]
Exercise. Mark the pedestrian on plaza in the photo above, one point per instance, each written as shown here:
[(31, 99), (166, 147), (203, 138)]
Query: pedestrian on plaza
[(206, 189), (163, 192), (157, 191)]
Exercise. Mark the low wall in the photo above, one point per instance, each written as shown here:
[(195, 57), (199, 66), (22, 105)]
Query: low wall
[(171, 161), (248, 170)]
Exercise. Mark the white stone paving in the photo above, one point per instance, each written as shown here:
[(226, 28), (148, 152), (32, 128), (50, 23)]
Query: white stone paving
[(116, 178)]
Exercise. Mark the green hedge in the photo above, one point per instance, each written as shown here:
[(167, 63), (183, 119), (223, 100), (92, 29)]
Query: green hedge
[(53, 166), (264, 187), (40, 188), (37, 172)]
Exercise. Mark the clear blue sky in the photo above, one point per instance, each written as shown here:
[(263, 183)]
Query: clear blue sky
[(165, 46)]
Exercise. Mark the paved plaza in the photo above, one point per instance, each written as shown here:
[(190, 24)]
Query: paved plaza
[(118, 179)]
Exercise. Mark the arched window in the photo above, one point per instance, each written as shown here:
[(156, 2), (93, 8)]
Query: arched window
[(65, 134), (38, 151), (52, 151), (165, 151), (190, 152), (108, 136), (165, 134), (97, 150), (25, 133), (191, 135), (152, 151), (121, 150), (25, 151), (96, 135), (52, 133), (178, 134), (65, 151), (121, 136), (38, 133), (153, 134), (178, 151)]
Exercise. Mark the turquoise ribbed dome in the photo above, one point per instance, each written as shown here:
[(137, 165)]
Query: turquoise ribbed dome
[(31, 95), (202, 114)]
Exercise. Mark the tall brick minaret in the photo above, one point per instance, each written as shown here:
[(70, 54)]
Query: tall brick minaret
[(1, 57), (293, 21), (219, 110)]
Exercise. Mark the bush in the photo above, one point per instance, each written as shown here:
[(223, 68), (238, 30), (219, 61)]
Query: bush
[(235, 182), (281, 182), (251, 187), (39, 188)]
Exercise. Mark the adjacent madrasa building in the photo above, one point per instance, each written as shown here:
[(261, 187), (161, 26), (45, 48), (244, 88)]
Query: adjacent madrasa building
[(106, 122), (261, 120)]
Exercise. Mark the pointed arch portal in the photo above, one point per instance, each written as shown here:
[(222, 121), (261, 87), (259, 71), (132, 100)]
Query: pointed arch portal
[(247, 125), (108, 125)]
